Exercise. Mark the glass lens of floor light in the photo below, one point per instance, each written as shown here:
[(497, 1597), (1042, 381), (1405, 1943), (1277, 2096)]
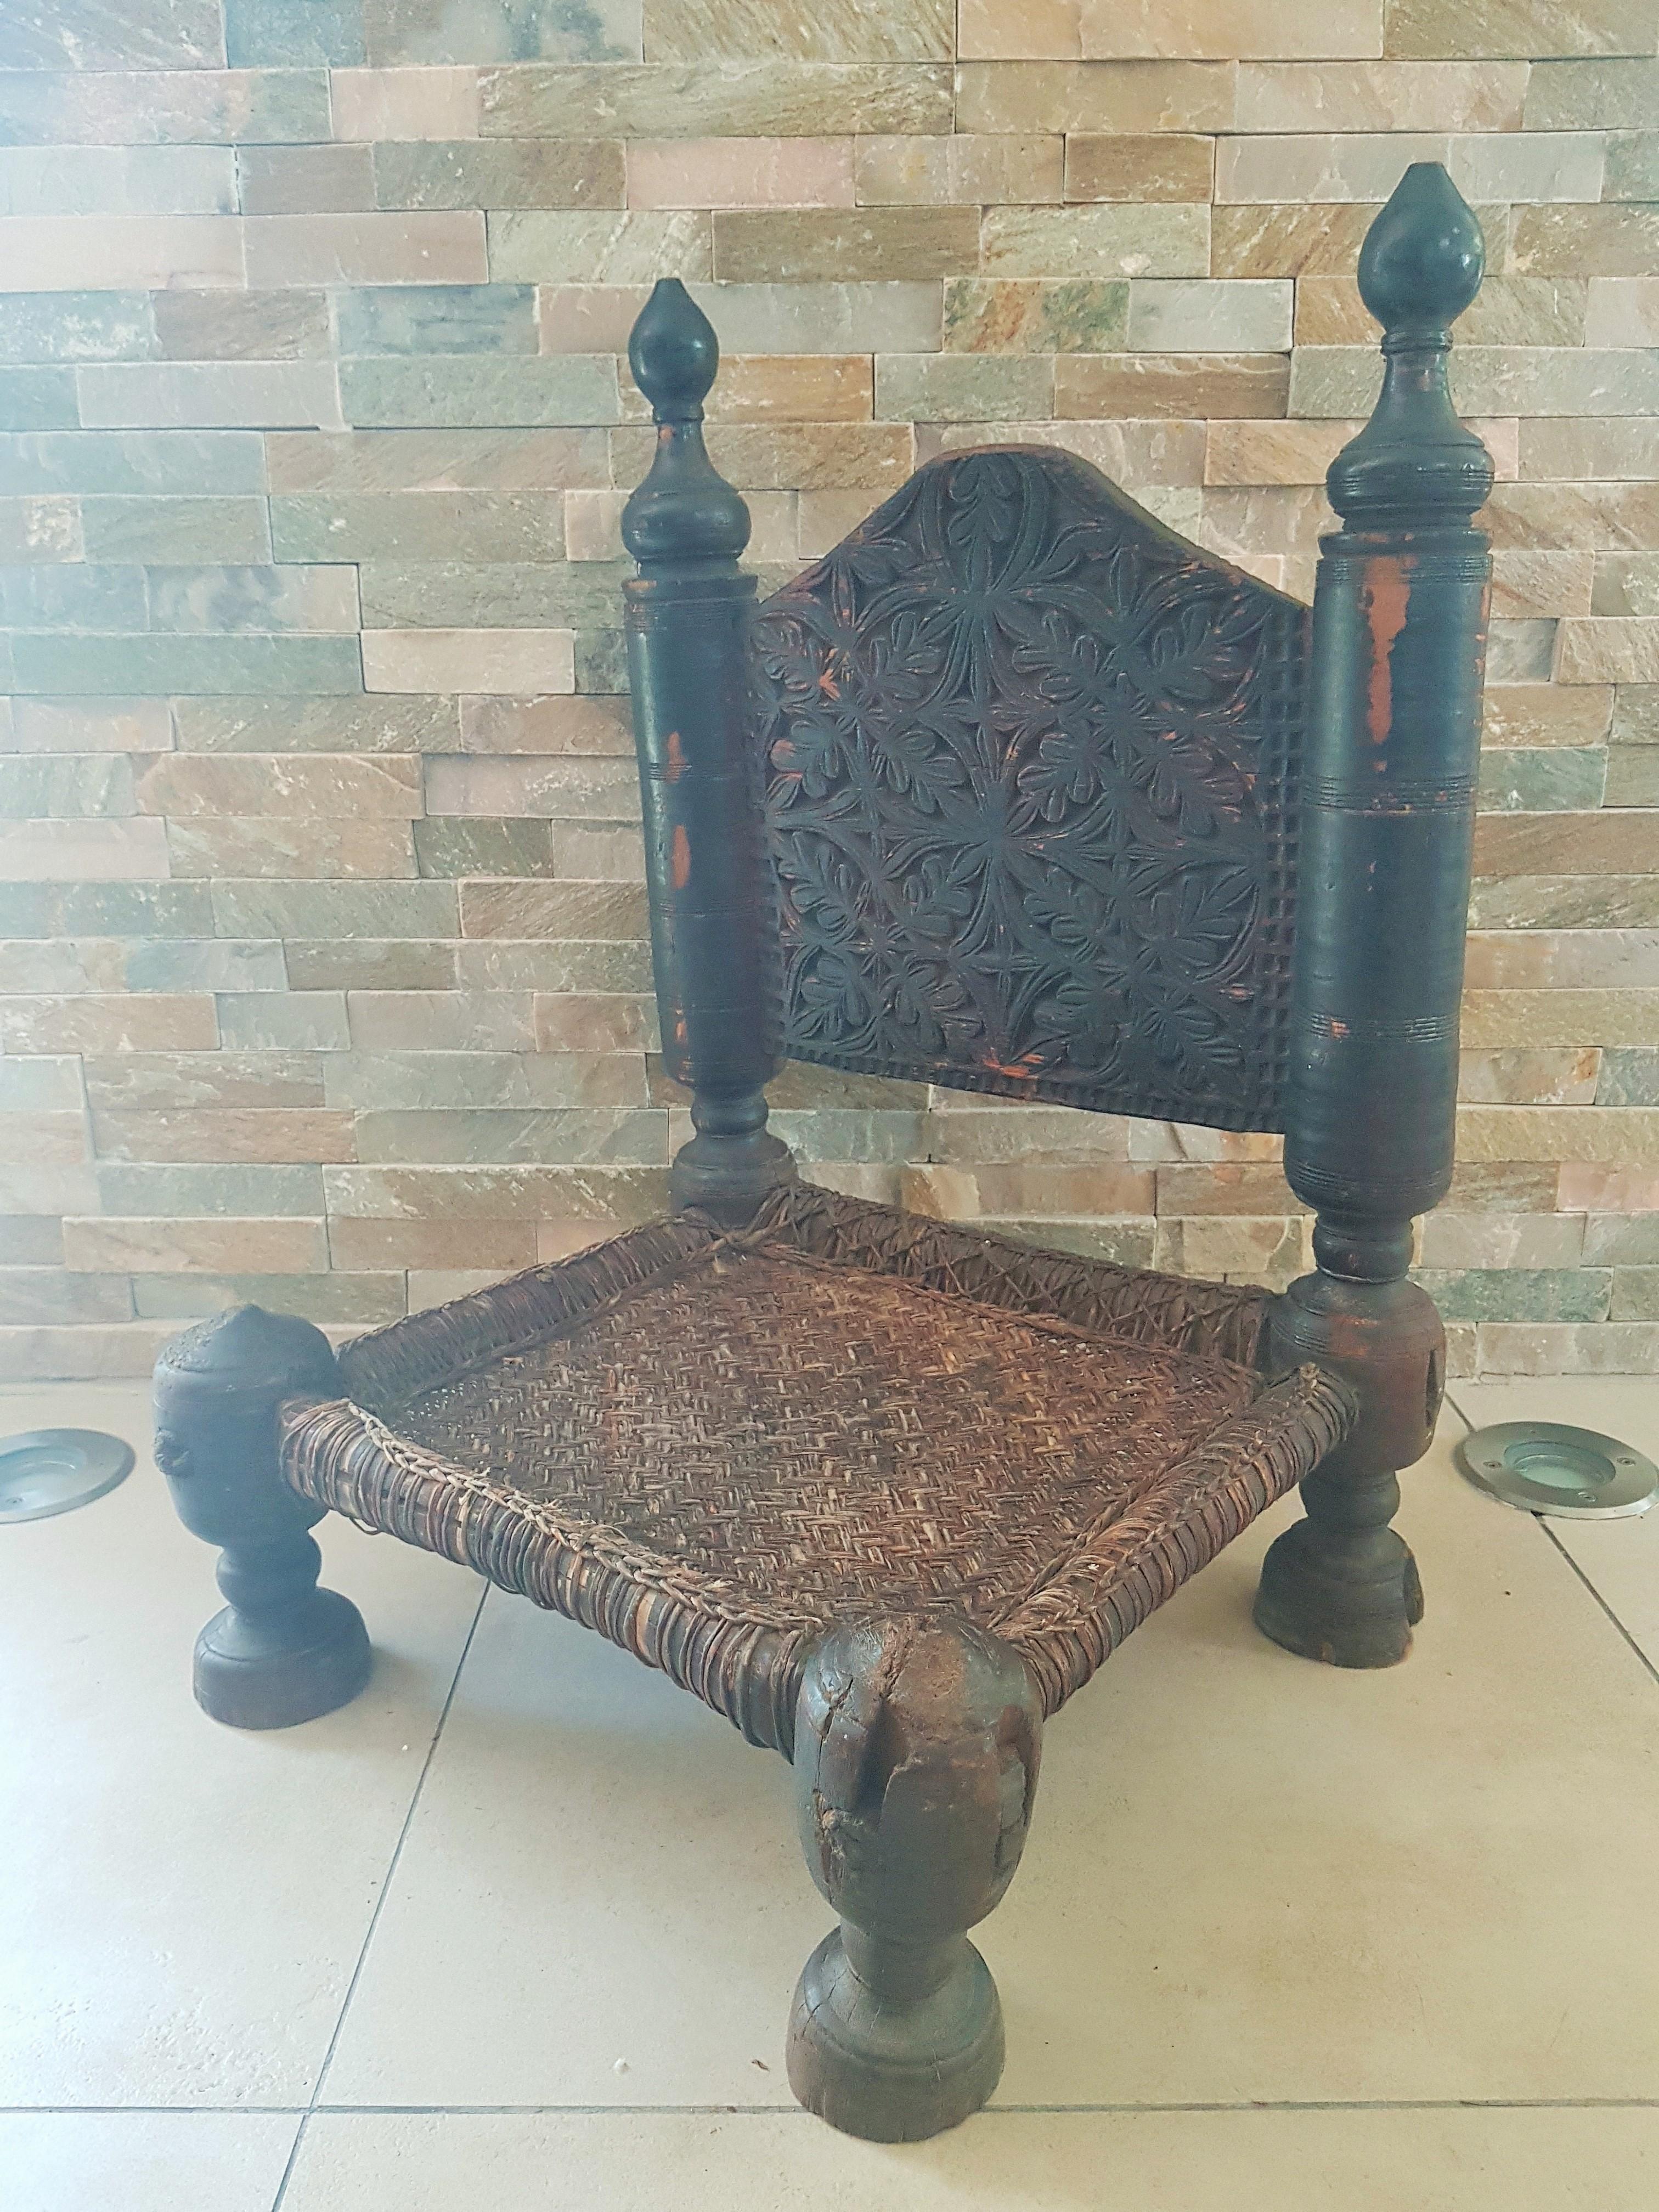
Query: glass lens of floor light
[(47, 1471), (1544, 1466)]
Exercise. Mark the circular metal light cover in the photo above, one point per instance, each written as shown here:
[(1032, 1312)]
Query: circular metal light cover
[(47, 1471), (1544, 1467)]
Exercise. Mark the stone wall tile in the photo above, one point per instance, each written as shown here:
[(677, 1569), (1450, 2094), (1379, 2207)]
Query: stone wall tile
[(1138, 167), (741, 172), (1097, 96), (1191, 385), (508, 172), (549, 1137), (572, 788), (1490, 380), (1425, 29), (1242, 28), (56, 662), (1566, 1348), (266, 1134), (498, 1247), (781, 388), (1629, 1078), (171, 529), (163, 107), (65, 180), (738, 98), (415, 525), (599, 1022), (98, 34), (1632, 166), (980, 169), (509, 660), (1092, 242), (1611, 649), (1039, 30), (1621, 240), (1633, 778), (97, 851), (167, 394), (383, 964), (81, 726), (865, 244), (437, 318), (156, 1022), (40, 529), (635, 247), (806, 457), (373, 461), (831, 31), (402, 33), (181, 461), (1529, 165), (241, 325), (1575, 1019), (1510, 311), (963, 387), (374, 104), (34, 789), (1622, 310), (600, 911), (1027, 315), (281, 784), (1525, 1078), (76, 253), (142, 1081), (481, 847), (1383, 96), (834, 318), (433, 391), (1321, 165), (1204, 315), (174, 1246), (502, 1192), (547, 726), (420, 248), (1527, 781), (231, 599), (346, 724)]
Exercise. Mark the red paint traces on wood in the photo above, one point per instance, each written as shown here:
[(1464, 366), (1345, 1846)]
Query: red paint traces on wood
[(1386, 599), (680, 858), (676, 757)]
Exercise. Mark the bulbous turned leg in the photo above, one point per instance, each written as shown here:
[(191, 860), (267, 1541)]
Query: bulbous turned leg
[(1341, 1586), (916, 1751), (283, 1650)]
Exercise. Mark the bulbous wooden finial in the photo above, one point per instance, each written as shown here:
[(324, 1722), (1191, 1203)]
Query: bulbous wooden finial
[(1424, 256), (684, 510), (673, 353), (1414, 464)]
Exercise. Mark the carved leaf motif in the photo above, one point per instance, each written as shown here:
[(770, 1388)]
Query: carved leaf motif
[(1029, 762)]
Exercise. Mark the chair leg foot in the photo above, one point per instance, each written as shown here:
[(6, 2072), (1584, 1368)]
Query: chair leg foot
[(1327, 1601), (283, 1650), (265, 1666), (916, 1750)]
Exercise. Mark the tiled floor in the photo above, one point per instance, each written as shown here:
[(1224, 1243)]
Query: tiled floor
[(518, 1931)]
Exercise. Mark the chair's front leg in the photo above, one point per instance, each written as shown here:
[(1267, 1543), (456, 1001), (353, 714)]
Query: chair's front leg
[(281, 1651), (916, 1748)]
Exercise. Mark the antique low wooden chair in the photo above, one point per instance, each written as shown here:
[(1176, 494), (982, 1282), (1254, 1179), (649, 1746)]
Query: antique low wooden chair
[(1017, 791)]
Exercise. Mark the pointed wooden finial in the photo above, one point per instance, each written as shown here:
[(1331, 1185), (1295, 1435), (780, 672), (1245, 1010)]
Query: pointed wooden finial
[(1419, 268), (684, 510)]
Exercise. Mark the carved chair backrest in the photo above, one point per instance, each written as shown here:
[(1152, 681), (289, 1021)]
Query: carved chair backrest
[(1017, 790)]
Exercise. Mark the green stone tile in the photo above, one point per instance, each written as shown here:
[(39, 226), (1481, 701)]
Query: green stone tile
[(565, 389), (287, 34), (401, 32), (552, 1137), (40, 1086), (419, 526), (168, 529), (283, 1021), (1537, 1294), (188, 107), (69, 326), (943, 387), (103, 665), (437, 318), (550, 964), (187, 461), (456, 845), (1632, 166), (38, 399), (259, 599), (1126, 1244), (1630, 1077), (773, 94), (338, 1296), (601, 663), (46, 787), (166, 1191), (375, 964), (501, 172), (108, 910), (360, 722), (1635, 1294), (825, 1134), (500, 595), (111, 34), (210, 965), (1542, 779), (73, 596), (384, 1082), (335, 909)]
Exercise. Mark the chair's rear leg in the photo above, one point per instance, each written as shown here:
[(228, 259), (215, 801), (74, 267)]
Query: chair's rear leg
[(283, 1650), (916, 1747)]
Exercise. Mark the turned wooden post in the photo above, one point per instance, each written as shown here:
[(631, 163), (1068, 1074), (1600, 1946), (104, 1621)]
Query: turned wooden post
[(714, 930), (917, 1741), (1400, 622), (283, 1650)]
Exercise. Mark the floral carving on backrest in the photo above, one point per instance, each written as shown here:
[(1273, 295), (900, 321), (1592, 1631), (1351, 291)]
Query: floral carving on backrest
[(1029, 764)]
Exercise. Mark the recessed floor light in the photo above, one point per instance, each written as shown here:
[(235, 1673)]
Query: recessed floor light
[(1544, 1467), (47, 1471)]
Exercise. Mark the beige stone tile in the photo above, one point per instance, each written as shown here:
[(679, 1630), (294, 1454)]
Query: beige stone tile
[(433, 460), (78, 253), (303, 846), (1138, 166), (1480, 1978), (497, 1247), (1428, 28), (1608, 1347), (764, 96), (1321, 165), (256, 1133), (1516, 310), (1574, 1018), (305, 180), (146, 1022), (792, 388), (1533, 1078), (288, 1246), (145, 2162), (634, 246), (516, 661), (405, 103), (550, 724), (1435, 2162), (1547, 714), (1210, 315), (1384, 95), (739, 173), (1623, 311), (1097, 241), (1098, 96), (441, 247), (871, 244), (1524, 165), (246, 783), (1194, 385), (980, 168), (1036, 30), (830, 31), (102, 852), (1610, 649), (150, 1970), (1239, 29)]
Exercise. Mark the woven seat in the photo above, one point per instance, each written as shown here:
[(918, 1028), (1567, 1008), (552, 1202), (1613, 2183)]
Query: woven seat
[(712, 1445)]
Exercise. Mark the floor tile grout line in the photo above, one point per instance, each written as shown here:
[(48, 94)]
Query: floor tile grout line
[(795, 2112), (379, 1905)]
